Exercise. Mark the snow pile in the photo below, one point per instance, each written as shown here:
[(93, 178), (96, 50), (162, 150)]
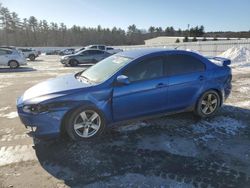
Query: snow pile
[(240, 56)]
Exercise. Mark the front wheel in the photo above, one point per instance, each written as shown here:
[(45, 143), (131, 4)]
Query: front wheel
[(208, 104), (73, 62), (85, 123)]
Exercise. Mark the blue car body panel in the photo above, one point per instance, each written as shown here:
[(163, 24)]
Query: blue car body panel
[(118, 103)]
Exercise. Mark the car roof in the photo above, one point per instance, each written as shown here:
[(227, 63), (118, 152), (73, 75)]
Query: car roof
[(93, 50), (8, 47), (3, 48), (97, 45), (87, 49), (147, 51)]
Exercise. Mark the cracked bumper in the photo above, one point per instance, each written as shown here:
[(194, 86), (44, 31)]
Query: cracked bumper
[(44, 125)]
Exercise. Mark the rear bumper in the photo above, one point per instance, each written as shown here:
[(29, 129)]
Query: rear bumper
[(228, 88), (22, 62)]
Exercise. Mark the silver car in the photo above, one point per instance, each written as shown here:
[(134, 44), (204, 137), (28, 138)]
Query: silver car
[(89, 56), (29, 53), (11, 57)]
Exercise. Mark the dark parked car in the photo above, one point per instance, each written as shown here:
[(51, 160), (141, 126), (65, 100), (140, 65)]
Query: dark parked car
[(67, 51), (84, 57), (124, 86), (52, 52)]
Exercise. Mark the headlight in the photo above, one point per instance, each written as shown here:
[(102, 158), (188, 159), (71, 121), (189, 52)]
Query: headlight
[(35, 108), (65, 57)]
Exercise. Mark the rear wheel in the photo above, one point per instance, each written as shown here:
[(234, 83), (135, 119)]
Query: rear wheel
[(32, 57), (13, 64), (73, 62), (85, 123), (208, 104)]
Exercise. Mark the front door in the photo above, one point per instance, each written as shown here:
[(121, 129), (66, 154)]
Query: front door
[(146, 93)]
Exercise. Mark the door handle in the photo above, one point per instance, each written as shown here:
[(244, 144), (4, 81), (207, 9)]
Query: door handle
[(160, 85), (201, 78)]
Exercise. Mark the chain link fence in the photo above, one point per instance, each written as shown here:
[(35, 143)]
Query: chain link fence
[(209, 48)]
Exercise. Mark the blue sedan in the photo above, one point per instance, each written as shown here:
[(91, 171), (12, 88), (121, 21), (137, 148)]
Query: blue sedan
[(128, 85)]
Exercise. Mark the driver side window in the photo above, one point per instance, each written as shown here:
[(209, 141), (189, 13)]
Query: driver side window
[(145, 70), (85, 53)]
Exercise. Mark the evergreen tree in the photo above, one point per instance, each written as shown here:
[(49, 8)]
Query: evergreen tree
[(185, 39), (194, 39)]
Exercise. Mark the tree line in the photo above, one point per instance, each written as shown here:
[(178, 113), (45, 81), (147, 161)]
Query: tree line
[(33, 32)]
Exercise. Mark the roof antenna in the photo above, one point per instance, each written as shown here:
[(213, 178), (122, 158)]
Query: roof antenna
[(176, 47)]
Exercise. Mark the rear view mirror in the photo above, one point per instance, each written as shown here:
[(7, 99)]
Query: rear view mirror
[(122, 79)]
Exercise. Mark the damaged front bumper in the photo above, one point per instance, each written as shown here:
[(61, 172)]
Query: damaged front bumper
[(42, 126)]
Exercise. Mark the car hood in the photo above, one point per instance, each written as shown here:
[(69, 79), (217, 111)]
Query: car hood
[(70, 55), (55, 87)]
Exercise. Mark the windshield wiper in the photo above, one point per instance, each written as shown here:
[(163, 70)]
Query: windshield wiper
[(85, 78)]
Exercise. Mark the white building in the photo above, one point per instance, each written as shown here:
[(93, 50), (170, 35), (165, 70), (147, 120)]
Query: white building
[(170, 40)]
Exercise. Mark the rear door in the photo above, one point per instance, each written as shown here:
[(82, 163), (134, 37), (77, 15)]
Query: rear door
[(186, 75), (85, 57), (4, 56), (145, 94), (97, 55)]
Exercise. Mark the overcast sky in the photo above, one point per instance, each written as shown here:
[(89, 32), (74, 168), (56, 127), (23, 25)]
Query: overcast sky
[(215, 15)]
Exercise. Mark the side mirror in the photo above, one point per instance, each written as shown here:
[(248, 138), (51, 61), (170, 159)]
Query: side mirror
[(123, 80)]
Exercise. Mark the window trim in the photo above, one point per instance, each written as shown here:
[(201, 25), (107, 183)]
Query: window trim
[(146, 59), (187, 73), (96, 52)]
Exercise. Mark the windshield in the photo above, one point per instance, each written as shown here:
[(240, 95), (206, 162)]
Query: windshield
[(79, 52), (105, 68)]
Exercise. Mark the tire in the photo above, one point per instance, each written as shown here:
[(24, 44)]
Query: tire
[(94, 61), (13, 64), (32, 57), (79, 125), (208, 104), (73, 62)]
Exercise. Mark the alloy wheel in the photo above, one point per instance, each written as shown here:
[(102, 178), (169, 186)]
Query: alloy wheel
[(87, 123), (209, 103), (13, 64)]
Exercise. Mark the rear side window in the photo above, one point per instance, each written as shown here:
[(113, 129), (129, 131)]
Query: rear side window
[(145, 70), (109, 48), (85, 52), (93, 47), (5, 52), (102, 47), (182, 64), (26, 50), (95, 52)]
